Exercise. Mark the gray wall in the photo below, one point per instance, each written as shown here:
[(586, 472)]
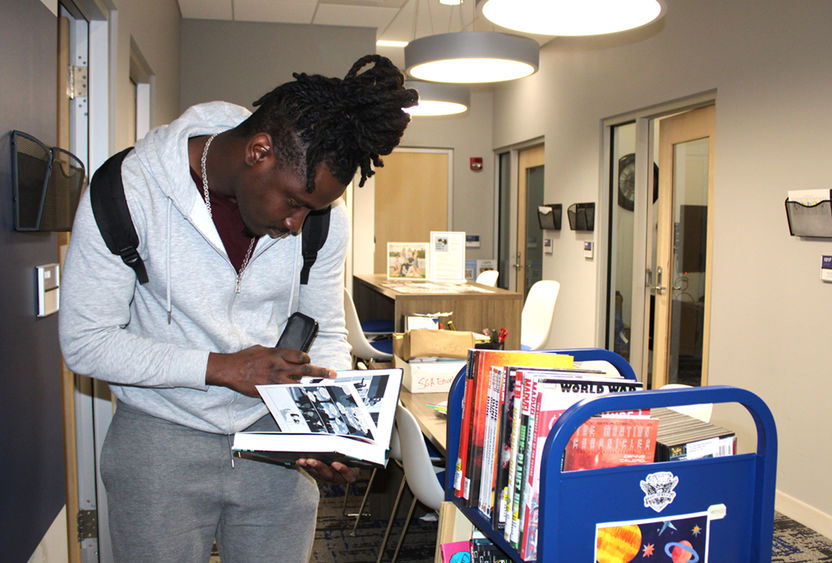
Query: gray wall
[(238, 61), (32, 477), (469, 134), (253, 58), (769, 61)]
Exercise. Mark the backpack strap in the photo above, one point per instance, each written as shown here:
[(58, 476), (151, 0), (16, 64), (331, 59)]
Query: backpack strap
[(315, 231), (109, 206)]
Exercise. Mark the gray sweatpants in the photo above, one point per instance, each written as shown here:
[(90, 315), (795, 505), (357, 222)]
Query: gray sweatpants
[(171, 490)]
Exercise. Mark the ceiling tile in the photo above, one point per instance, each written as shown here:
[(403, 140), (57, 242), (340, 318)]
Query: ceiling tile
[(358, 16), (374, 3), (285, 11), (206, 9)]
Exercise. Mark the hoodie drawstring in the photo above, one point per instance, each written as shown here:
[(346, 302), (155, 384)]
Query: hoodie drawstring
[(167, 264)]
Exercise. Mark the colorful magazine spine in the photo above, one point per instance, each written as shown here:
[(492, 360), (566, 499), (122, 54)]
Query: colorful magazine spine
[(523, 451)]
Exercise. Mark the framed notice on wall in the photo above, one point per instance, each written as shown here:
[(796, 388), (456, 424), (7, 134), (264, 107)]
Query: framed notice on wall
[(446, 256)]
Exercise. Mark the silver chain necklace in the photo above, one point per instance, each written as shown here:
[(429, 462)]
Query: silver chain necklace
[(206, 196)]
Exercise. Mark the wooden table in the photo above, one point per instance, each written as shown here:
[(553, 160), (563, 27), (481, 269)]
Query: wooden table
[(474, 306), (433, 425)]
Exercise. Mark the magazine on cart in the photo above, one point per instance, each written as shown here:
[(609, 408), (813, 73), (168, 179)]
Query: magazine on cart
[(347, 419)]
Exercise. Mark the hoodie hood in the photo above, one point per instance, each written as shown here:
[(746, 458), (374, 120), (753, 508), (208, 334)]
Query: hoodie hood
[(164, 150)]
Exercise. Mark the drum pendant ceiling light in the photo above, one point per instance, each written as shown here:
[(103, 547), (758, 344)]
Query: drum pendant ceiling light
[(439, 99), (469, 57), (571, 17)]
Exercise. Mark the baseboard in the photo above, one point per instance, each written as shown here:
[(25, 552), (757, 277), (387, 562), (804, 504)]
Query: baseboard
[(804, 513), (53, 547)]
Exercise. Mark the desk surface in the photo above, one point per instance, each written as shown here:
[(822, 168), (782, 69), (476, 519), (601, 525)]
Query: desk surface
[(474, 306), (433, 425), (395, 288)]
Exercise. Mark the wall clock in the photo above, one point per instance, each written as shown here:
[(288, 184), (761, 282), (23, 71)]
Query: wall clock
[(627, 181)]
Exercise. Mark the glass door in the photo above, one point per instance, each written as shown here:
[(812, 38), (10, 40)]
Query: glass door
[(623, 195), (660, 186), (681, 281), (529, 258)]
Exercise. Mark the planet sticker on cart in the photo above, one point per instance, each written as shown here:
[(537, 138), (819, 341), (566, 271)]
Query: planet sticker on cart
[(674, 539)]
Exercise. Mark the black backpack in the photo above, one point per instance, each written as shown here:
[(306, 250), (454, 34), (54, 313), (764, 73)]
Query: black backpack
[(109, 206)]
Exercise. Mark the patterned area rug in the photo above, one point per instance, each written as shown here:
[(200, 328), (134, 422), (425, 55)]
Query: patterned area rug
[(794, 542), (337, 542)]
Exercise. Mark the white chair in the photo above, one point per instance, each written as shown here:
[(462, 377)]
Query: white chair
[(488, 277), (701, 411), (362, 349), (537, 315), (420, 474)]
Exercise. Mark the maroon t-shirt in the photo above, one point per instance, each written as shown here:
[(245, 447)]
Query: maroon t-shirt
[(229, 224)]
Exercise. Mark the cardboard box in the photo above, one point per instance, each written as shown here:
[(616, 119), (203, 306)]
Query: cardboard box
[(429, 376), (433, 343)]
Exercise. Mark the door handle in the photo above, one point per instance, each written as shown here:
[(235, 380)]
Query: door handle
[(657, 289), (518, 264)]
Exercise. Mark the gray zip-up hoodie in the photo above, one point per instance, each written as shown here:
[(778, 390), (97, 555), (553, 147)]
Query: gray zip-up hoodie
[(151, 341)]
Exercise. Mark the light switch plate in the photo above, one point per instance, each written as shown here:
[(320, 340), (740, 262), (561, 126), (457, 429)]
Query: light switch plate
[(49, 287)]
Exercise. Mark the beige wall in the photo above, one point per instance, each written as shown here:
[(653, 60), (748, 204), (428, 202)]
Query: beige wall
[(153, 28), (769, 61)]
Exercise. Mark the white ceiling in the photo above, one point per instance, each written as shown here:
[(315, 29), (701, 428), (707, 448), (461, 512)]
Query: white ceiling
[(399, 20)]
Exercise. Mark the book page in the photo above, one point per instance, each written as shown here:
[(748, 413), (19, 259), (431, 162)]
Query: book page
[(319, 409), (347, 419)]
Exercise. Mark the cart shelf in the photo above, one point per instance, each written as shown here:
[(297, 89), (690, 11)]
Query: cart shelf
[(735, 494)]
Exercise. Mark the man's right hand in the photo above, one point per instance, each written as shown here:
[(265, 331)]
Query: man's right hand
[(259, 365)]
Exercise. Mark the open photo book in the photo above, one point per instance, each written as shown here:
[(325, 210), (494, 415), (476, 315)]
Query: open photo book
[(347, 419)]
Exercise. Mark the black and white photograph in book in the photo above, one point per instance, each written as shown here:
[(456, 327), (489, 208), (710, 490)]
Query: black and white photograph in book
[(327, 409), (370, 389), (349, 417)]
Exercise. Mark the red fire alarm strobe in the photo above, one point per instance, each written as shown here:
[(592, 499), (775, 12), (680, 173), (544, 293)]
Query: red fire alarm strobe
[(476, 163)]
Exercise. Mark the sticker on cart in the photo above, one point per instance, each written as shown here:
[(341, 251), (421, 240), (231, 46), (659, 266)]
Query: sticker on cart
[(683, 538), (658, 489)]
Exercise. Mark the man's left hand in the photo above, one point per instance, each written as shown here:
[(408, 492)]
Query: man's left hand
[(335, 473)]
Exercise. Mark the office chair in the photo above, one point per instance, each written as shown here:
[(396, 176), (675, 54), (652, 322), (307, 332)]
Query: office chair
[(538, 313), (488, 277), (425, 480), (701, 411), (362, 349)]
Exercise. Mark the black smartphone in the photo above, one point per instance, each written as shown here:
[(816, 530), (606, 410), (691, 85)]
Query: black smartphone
[(299, 333)]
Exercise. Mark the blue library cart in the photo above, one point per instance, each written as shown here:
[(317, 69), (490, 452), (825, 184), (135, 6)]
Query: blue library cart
[(713, 509)]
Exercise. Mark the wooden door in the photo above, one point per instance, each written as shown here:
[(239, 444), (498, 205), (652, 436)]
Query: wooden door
[(67, 377), (683, 248), (411, 199)]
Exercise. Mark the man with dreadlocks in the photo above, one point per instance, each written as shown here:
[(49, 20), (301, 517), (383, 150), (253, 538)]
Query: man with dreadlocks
[(218, 198)]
